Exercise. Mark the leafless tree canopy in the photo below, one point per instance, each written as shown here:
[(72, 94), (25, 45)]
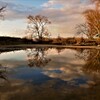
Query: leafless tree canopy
[(37, 25), (92, 26), (83, 29), (97, 2), (93, 21), (2, 9)]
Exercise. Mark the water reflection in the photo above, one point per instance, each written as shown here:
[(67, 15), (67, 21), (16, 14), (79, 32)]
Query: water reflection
[(92, 60), (60, 49), (37, 57), (50, 72), (3, 72)]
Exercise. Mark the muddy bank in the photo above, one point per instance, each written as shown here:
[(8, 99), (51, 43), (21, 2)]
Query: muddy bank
[(46, 45)]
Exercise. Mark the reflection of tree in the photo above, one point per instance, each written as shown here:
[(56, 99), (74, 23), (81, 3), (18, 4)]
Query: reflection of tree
[(60, 49), (3, 73), (93, 62), (37, 57), (92, 59)]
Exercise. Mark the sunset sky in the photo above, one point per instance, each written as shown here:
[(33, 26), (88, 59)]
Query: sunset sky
[(64, 15)]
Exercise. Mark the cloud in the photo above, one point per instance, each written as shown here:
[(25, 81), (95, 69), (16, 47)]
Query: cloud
[(12, 64), (52, 9), (15, 18), (17, 11), (61, 2), (66, 14)]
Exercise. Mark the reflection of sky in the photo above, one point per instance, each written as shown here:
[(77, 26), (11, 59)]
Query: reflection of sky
[(14, 55), (63, 66)]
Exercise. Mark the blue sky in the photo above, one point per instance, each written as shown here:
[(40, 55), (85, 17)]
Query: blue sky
[(64, 15), (35, 3)]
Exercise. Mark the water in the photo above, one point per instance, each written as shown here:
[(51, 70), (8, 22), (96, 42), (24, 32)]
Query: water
[(49, 74)]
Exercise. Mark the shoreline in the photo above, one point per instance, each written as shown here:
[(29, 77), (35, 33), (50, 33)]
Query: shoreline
[(47, 45)]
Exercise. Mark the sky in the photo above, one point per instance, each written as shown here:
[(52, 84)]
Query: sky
[(64, 15)]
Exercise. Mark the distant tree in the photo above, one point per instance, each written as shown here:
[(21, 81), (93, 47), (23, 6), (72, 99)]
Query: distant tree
[(83, 29), (37, 26)]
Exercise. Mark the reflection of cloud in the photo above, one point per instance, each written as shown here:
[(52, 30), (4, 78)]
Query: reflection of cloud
[(66, 73), (12, 64), (15, 88), (71, 73), (64, 67), (68, 68)]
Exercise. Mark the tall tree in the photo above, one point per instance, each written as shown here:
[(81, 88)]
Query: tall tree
[(93, 21), (97, 2), (37, 26), (92, 26)]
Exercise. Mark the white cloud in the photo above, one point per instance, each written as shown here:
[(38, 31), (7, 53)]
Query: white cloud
[(66, 16), (17, 11)]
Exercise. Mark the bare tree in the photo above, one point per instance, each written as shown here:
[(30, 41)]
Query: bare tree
[(2, 9), (93, 21), (37, 26), (92, 26), (97, 2), (83, 29)]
